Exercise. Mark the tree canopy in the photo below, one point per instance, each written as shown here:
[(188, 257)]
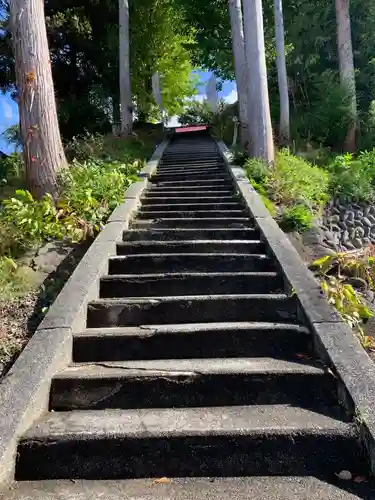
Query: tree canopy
[(175, 36)]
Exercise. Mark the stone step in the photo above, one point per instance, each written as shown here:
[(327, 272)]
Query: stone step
[(149, 285), (190, 159), (197, 488), (197, 340), (192, 246), (190, 262), (197, 198), (199, 191), (198, 223), (224, 441), (191, 176), (207, 167), (193, 206), (192, 383), (191, 309), (189, 214), (223, 207), (165, 235), (222, 181)]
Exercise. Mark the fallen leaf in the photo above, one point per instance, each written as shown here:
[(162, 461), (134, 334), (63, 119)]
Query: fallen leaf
[(345, 475), (162, 480)]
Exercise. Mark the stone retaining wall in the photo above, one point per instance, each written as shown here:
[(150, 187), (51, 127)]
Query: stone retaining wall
[(344, 226)]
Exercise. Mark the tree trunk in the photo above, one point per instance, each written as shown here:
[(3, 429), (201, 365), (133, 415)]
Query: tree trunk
[(259, 108), (238, 44), (124, 64), (284, 130), (346, 64), (42, 147)]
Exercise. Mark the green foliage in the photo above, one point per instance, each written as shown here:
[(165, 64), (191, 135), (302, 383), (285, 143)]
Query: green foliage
[(334, 270), (13, 136), (294, 180), (196, 112), (28, 222), (256, 170), (353, 177), (221, 121), (91, 191), (15, 281), (297, 187), (324, 115), (11, 168), (296, 218)]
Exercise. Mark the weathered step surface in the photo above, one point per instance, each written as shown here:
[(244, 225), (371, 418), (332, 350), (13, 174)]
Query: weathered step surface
[(149, 285), (213, 488), (198, 191), (192, 246), (190, 214), (222, 181), (191, 309), (196, 199), (195, 341), (213, 441), (184, 206), (186, 234), (192, 383), (193, 222), (194, 262)]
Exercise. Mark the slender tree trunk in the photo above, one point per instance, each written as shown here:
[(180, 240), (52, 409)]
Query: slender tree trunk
[(284, 128), (124, 64), (346, 64), (42, 147), (259, 108), (238, 44)]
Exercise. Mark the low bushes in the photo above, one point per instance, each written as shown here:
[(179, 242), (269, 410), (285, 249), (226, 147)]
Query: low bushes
[(298, 188), (353, 177), (89, 190)]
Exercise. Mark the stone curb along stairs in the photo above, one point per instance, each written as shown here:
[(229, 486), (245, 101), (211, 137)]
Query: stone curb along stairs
[(191, 343)]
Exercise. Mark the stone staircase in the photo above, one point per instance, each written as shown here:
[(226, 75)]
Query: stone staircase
[(194, 366)]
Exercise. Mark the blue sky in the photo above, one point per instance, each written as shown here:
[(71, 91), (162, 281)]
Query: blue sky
[(9, 109)]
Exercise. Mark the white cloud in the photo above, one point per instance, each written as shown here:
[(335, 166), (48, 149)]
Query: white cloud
[(232, 97), (7, 111)]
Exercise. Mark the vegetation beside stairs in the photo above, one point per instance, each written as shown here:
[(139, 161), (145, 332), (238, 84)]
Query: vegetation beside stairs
[(42, 242)]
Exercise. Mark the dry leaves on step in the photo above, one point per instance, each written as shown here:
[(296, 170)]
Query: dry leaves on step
[(162, 480)]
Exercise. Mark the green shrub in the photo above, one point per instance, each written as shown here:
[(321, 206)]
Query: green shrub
[(111, 148), (353, 177), (296, 218), (293, 181), (239, 157), (256, 170), (92, 190), (25, 222), (299, 188), (88, 193)]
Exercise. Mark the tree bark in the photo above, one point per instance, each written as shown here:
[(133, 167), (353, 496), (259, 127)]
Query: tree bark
[(238, 44), (42, 147), (124, 64), (346, 65), (260, 126), (282, 77)]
